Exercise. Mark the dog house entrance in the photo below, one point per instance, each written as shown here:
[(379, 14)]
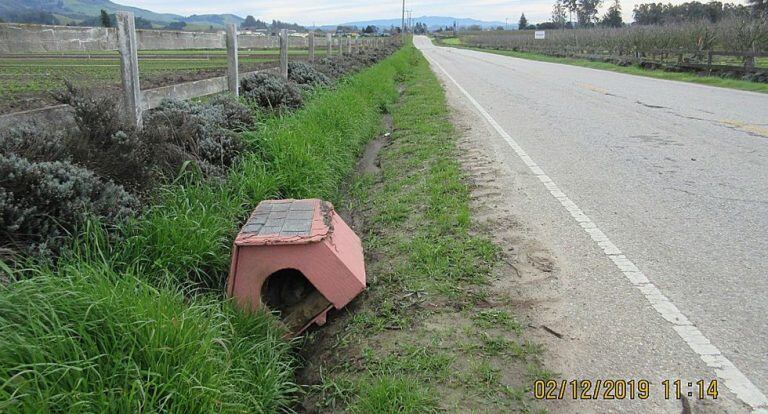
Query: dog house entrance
[(289, 292)]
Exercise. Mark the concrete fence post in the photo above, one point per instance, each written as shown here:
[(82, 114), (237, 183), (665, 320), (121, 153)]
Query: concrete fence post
[(329, 40), (129, 67), (284, 53), (349, 45), (232, 75), (311, 40)]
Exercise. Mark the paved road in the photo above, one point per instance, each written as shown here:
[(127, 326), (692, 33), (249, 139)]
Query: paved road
[(674, 284)]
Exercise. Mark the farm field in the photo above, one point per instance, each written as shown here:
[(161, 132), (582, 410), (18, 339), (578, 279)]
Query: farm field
[(26, 81), (732, 48), (595, 61)]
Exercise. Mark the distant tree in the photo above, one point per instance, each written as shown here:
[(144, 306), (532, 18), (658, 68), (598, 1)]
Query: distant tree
[(139, 22), (499, 28), (612, 17), (648, 13), (370, 29), (693, 11), (558, 14), (105, 21), (248, 23), (547, 26), (475, 28), (522, 24), (737, 10), (1, 20), (31, 16), (420, 28), (759, 7), (278, 25), (573, 7), (587, 12), (176, 26)]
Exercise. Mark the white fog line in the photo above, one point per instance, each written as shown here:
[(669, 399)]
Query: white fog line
[(725, 370)]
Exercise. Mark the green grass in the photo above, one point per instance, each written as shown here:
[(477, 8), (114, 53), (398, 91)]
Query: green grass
[(393, 395), (454, 41), (495, 318), (132, 319), (86, 339), (631, 70)]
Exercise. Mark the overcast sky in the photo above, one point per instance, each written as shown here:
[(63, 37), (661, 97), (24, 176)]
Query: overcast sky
[(321, 12)]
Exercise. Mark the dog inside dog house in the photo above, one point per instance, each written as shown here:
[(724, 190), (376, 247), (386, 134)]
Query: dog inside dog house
[(296, 257)]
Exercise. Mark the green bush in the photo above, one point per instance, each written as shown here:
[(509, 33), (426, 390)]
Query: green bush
[(34, 142), (305, 74), (270, 91), (41, 201), (335, 67), (53, 178), (174, 134), (181, 131), (102, 142)]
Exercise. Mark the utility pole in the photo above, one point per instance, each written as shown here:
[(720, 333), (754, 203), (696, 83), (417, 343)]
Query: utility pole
[(409, 23), (402, 25), (506, 23)]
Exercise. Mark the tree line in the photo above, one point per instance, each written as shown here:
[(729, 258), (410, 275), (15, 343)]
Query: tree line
[(586, 13), (250, 23)]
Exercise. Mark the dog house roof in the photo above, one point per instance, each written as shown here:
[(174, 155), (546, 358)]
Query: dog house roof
[(276, 222)]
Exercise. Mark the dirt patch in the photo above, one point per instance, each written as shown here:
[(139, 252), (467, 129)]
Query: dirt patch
[(369, 163)]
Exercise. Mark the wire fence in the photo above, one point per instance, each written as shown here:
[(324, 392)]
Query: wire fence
[(36, 60)]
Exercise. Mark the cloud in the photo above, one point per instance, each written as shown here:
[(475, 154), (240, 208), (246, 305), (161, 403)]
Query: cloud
[(321, 12)]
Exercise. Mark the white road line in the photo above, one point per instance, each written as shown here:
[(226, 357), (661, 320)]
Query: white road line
[(731, 376)]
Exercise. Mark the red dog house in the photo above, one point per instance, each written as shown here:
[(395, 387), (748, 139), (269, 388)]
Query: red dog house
[(297, 257)]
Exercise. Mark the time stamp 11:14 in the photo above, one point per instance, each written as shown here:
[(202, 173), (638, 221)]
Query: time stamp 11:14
[(622, 389)]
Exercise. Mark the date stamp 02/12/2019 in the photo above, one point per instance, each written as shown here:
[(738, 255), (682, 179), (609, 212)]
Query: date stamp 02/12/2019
[(620, 389)]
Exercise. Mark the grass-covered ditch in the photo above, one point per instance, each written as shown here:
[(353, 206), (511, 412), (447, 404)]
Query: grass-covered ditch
[(116, 243), (437, 329)]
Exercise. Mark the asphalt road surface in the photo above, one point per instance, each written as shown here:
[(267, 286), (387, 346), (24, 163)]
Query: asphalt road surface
[(653, 197)]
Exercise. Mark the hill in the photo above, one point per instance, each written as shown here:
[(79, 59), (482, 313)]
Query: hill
[(75, 11)]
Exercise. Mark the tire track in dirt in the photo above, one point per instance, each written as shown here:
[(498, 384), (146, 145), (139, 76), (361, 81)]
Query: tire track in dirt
[(529, 273), (528, 281)]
